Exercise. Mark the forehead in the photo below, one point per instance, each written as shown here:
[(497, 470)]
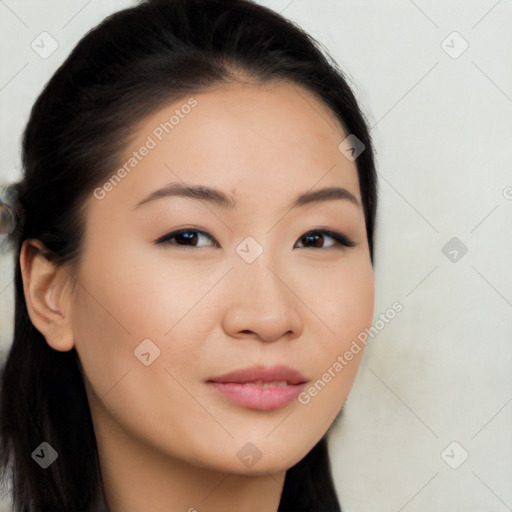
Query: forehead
[(276, 108), (275, 139)]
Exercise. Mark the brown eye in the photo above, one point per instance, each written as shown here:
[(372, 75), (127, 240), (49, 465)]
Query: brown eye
[(316, 239), (185, 238)]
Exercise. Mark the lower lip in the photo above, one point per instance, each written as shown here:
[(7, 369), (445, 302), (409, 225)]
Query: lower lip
[(257, 397)]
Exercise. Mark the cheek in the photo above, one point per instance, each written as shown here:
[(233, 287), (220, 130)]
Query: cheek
[(129, 301), (118, 305), (136, 298), (346, 307), (115, 313), (342, 302)]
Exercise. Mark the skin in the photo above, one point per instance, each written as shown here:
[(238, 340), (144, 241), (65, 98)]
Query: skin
[(163, 436)]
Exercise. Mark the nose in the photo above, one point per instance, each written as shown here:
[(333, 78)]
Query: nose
[(261, 303)]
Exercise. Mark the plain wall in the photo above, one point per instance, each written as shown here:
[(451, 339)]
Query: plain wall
[(439, 372)]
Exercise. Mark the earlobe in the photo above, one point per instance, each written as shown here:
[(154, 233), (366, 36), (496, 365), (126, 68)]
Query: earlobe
[(47, 295)]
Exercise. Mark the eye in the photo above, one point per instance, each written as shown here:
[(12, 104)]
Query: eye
[(312, 239), (185, 238), (316, 237)]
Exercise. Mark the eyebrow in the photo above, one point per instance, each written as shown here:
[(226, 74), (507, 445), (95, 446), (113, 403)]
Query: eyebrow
[(218, 197)]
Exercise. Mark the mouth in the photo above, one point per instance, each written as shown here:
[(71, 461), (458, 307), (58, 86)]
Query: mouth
[(260, 388)]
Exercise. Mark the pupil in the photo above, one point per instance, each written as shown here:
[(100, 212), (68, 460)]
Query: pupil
[(188, 235), (317, 242)]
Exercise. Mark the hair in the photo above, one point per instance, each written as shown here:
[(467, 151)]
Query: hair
[(133, 63)]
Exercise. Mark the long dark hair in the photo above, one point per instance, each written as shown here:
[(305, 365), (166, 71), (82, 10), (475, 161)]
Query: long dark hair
[(132, 64)]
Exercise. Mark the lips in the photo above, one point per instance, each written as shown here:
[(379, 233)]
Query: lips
[(260, 388), (262, 374)]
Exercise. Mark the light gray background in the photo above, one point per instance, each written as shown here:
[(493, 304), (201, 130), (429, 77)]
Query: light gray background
[(441, 370)]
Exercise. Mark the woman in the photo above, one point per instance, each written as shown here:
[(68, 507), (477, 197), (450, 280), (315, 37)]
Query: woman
[(194, 252)]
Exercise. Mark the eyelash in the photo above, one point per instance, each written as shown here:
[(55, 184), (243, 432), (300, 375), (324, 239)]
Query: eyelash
[(342, 240)]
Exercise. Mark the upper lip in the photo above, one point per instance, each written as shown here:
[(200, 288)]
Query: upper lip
[(261, 373)]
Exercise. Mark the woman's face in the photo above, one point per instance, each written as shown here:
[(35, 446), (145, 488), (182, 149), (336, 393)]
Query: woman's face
[(159, 315)]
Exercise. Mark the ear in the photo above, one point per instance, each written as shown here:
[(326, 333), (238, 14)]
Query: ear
[(47, 289)]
